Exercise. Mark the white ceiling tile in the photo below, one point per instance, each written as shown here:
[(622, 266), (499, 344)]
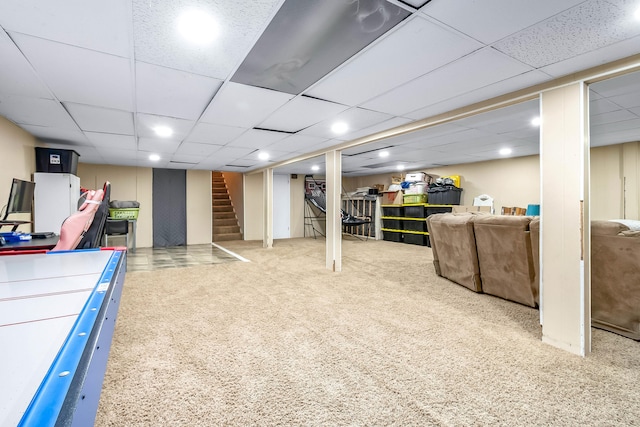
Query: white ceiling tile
[(84, 76), (492, 20), (156, 145), (117, 155), (612, 117), (408, 53), (355, 118), (173, 93), (147, 122), (591, 25), (601, 106), (98, 26), (110, 141), (227, 154), (243, 106), (619, 85), (520, 81), (16, 74), (297, 143), (157, 40), (481, 68), (214, 134), (186, 159), (197, 149), (56, 134), (379, 127), (256, 138), (35, 111), (627, 100), (300, 113), (96, 119)]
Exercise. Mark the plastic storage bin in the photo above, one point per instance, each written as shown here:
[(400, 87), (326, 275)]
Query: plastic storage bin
[(418, 224), (414, 211), (392, 211), (416, 239), (414, 198), (393, 224), (392, 236), (53, 160), (445, 195), (124, 213)]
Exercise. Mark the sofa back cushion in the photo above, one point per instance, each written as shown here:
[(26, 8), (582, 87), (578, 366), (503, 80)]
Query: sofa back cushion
[(505, 257), (454, 248)]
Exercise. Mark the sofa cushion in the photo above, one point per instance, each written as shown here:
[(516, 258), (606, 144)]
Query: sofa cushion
[(505, 258), (615, 278), (454, 248), (534, 230)]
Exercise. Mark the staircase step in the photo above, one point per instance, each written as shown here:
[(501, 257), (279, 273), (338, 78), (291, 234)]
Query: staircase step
[(221, 202), (226, 229), (224, 195), (227, 236), (225, 215), (223, 208), (220, 222)]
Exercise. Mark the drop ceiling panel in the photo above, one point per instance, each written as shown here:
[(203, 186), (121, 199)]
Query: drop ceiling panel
[(297, 143), (306, 39), (255, 138), (408, 53), (59, 135), (96, 119), (186, 159), (355, 118), (379, 127), (198, 149), (300, 113), (157, 40), (612, 52), (173, 93), (35, 111), (16, 74), (619, 85), (119, 156), (612, 117), (146, 123), (108, 142), (488, 65), (100, 26), (243, 106), (84, 76), (492, 20), (628, 100), (590, 25), (601, 106), (231, 153), (214, 134), (156, 145), (520, 81)]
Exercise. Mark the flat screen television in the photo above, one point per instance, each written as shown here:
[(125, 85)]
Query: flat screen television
[(20, 197)]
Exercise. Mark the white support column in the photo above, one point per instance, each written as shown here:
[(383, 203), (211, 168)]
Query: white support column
[(565, 304), (334, 222), (267, 229)]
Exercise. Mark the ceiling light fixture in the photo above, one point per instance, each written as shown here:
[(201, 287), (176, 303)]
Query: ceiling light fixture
[(637, 14), (197, 27), (315, 168), (400, 167), (339, 127), (163, 131), (505, 151), (154, 157), (536, 121), (263, 156), (383, 154)]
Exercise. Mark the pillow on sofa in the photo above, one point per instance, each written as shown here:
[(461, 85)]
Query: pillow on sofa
[(633, 224)]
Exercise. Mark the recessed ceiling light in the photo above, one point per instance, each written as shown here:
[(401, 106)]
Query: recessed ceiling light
[(400, 167), (263, 156), (163, 131), (315, 168), (536, 121), (637, 14), (339, 127), (505, 151), (197, 27), (383, 154), (154, 157)]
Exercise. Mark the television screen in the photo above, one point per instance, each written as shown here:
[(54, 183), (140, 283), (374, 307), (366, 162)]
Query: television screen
[(21, 196)]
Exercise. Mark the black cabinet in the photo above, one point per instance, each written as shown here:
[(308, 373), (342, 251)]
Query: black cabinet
[(408, 223)]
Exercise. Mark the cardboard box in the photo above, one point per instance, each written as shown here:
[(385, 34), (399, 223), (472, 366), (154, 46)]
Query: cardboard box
[(391, 198), (463, 208)]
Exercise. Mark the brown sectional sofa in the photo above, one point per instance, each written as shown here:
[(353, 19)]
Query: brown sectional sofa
[(506, 263), (615, 278)]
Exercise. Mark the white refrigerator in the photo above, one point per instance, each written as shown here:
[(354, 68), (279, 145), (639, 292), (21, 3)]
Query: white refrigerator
[(55, 198)]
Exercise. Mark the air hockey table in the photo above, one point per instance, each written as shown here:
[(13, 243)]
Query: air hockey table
[(57, 317)]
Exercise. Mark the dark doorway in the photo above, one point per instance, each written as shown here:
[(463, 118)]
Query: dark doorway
[(169, 207)]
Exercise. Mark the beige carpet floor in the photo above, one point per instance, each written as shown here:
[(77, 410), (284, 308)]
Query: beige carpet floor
[(282, 341)]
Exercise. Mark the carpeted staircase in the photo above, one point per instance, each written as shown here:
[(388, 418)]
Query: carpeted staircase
[(225, 222)]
